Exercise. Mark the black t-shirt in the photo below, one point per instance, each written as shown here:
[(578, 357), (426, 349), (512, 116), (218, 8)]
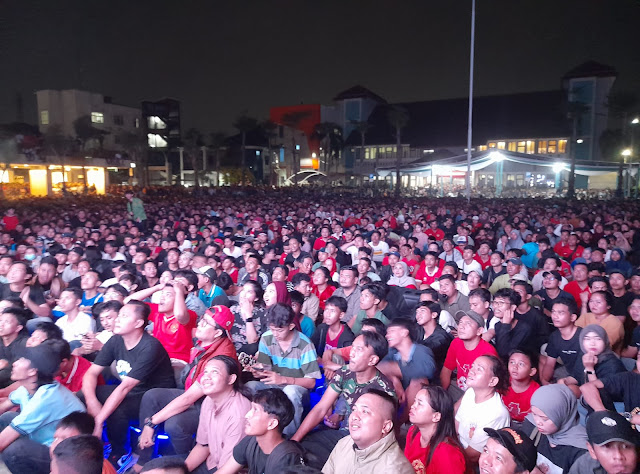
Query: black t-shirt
[(620, 305), (439, 342), (547, 301), (248, 453), (538, 322), (6, 292), (490, 274), (624, 387), (562, 456), (568, 351), (635, 337), (15, 350), (520, 337), (147, 362)]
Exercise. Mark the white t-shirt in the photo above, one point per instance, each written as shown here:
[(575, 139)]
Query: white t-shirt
[(237, 252), (378, 251), (474, 417), (466, 269), (73, 331)]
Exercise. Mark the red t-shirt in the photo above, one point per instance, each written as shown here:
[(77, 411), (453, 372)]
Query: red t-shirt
[(460, 358), (333, 343), (325, 295), (410, 263), (423, 277), (73, 380), (447, 458), (175, 337), (519, 404), (319, 243), (574, 290), (562, 249), (484, 265), (233, 273), (438, 233)]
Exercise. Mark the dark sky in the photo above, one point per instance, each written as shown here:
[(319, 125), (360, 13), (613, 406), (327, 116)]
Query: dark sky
[(222, 57)]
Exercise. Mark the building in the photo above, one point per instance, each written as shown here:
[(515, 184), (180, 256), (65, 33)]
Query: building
[(161, 124)]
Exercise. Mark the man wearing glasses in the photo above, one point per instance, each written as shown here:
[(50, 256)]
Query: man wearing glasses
[(551, 291)]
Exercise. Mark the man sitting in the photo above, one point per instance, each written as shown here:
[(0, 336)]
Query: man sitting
[(78, 455), (74, 323), (286, 359), (508, 451), (13, 339), (371, 445)]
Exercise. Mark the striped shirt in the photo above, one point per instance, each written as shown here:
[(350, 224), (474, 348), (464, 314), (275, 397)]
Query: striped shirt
[(300, 360)]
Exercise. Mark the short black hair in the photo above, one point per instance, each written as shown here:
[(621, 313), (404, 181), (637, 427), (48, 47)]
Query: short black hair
[(80, 455), (167, 463), (81, 421), (377, 325), (376, 290), (509, 294), (376, 341), (350, 268), (142, 310), (21, 315), (407, 324), (298, 278), (389, 400), (296, 297), (570, 303), (188, 275), (224, 281), (120, 289), (482, 293), (528, 288), (339, 302), (77, 292), (280, 315), (98, 309), (59, 346), (276, 403), (50, 329), (433, 306)]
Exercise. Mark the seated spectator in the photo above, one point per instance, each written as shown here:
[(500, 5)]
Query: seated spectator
[(370, 299), (208, 289), (612, 444), (511, 333), (301, 282), (531, 315), (350, 291), (286, 359), (25, 436), (13, 337), (105, 313), (90, 295), (508, 451), (321, 287), (348, 383), (302, 321), (631, 351), (599, 306), (252, 271), (264, 448), (522, 369), (189, 280), (332, 333), (445, 320), (249, 319), (550, 291), (142, 363), (401, 277), (480, 303), (371, 445), (481, 406), (564, 342), (432, 442), (222, 418), (428, 272), (74, 323), (78, 455), (465, 349), (179, 408), (409, 365), (554, 416), (597, 362), (451, 299), (430, 333)]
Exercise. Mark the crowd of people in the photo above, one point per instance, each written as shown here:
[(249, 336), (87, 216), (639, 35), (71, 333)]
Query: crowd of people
[(288, 331)]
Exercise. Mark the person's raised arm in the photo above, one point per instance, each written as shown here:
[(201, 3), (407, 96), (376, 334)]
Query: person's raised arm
[(144, 294), (180, 310), (317, 413), (591, 393)]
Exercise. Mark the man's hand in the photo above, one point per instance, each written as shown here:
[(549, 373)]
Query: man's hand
[(271, 378), (146, 437), (93, 407)]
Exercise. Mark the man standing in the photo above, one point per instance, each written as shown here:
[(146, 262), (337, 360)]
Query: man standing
[(135, 209)]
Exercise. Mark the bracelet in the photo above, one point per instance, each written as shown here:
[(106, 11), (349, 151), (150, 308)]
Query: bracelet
[(249, 319), (149, 423)]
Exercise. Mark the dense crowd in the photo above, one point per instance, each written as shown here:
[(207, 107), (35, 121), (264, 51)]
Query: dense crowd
[(309, 331)]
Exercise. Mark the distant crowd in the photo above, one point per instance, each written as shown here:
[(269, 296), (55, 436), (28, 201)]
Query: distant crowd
[(310, 331)]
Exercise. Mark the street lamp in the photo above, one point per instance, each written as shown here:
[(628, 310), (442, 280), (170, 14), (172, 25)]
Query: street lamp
[(635, 121)]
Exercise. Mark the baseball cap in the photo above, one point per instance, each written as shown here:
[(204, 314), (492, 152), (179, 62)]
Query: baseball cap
[(77, 250), (479, 320), (67, 234), (221, 315), (461, 238), (556, 274), (518, 277), (44, 359), (396, 254), (578, 261), (207, 271), (606, 426), (518, 444), (476, 218), (323, 250), (515, 261), (477, 272)]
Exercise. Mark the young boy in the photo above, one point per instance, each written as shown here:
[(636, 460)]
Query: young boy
[(90, 296), (332, 333), (370, 298), (74, 323), (564, 342), (522, 368), (306, 324), (430, 333)]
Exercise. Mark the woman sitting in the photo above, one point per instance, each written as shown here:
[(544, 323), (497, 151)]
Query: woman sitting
[(432, 443), (401, 277)]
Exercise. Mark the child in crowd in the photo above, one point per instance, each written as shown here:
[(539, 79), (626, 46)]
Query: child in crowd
[(522, 370)]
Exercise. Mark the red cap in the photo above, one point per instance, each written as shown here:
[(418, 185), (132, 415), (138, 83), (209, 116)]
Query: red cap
[(222, 316)]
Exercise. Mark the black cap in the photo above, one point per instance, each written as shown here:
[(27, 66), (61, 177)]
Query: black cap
[(556, 274), (518, 444), (44, 359), (606, 426)]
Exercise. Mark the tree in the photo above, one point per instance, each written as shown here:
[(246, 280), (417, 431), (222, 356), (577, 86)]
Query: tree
[(331, 139), (621, 105), (244, 124), (575, 112), (217, 141), (398, 118), (8, 151), (268, 129), (193, 143), (134, 145), (293, 120), (362, 128), (86, 133)]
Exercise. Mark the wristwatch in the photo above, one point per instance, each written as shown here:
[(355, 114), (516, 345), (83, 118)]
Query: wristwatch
[(149, 423), (249, 320), (627, 416), (588, 372)]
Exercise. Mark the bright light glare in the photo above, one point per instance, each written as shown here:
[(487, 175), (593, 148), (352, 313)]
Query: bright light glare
[(635, 121), (558, 167), (579, 140), (626, 152), (496, 155)]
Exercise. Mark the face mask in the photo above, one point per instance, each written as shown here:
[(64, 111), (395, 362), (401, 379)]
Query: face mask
[(30, 257)]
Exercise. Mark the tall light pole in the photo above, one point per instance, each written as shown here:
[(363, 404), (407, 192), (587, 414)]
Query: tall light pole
[(470, 127)]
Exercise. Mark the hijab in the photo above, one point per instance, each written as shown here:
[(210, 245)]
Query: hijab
[(560, 405), (602, 334), (404, 280), (516, 243), (282, 292), (621, 265)]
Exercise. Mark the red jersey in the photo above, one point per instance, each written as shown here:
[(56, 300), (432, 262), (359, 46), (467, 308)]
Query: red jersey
[(438, 233), (574, 290), (175, 337), (323, 296), (446, 458), (73, 380), (412, 264), (425, 278), (562, 249), (519, 404), (460, 358), (484, 265)]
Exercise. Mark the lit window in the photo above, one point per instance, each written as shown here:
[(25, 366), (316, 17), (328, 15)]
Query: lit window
[(373, 153), (511, 146), (492, 144), (136, 123), (553, 147), (521, 147), (482, 148), (44, 117), (542, 147), (367, 154), (97, 117), (156, 141), (501, 145), (156, 123), (297, 147), (562, 146), (531, 146), (257, 152)]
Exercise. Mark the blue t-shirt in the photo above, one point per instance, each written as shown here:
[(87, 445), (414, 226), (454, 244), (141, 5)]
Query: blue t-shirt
[(88, 302), (40, 413), (207, 298), (421, 363)]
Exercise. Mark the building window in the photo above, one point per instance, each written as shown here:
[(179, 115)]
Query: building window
[(492, 144), (552, 149), (501, 145), (531, 147), (118, 120), (97, 117), (520, 180), (44, 117), (136, 122), (542, 147), (562, 146), (482, 148), (510, 181), (511, 146), (521, 147)]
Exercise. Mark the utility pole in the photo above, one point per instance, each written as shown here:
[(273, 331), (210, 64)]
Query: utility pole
[(470, 123)]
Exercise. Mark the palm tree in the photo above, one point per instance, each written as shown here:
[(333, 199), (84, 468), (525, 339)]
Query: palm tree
[(292, 120), (134, 145), (216, 143), (244, 124), (398, 118), (193, 143), (268, 129)]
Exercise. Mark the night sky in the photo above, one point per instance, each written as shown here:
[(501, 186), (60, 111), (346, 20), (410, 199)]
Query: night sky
[(222, 57)]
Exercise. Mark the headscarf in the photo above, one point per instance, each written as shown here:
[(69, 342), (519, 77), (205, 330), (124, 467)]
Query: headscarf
[(404, 280), (602, 334), (560, 405), (282, 294), (620, 265), (516, 243), (622, 242)]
